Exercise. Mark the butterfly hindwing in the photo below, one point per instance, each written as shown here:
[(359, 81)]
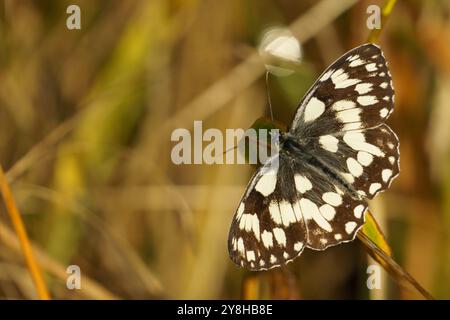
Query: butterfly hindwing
[(330, 214), (267, 230), (368, 159)]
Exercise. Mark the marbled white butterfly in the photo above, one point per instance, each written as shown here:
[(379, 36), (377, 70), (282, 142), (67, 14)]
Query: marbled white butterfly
[(337, 154)]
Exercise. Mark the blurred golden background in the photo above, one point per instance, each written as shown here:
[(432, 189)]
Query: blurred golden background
[(85, 123)]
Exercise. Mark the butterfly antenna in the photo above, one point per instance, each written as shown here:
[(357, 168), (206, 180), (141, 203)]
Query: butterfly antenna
[(268, 95), (229, 149)]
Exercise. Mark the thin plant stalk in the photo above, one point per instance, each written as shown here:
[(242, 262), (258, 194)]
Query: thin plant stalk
[(21, 232), (385, 13)]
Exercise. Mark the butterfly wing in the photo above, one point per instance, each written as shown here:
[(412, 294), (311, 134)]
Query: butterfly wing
[(288, 207), (341, 118), (354, 93), (367, 159), (317, 198), (267, 230)]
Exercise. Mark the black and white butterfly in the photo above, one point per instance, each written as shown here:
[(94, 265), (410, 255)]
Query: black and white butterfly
[(337, 154)]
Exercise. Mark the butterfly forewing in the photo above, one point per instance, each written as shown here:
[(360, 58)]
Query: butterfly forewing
[(337, 154), (355, 92)]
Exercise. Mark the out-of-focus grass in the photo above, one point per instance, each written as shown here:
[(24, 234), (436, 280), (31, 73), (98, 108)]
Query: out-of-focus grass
[(102, 193)]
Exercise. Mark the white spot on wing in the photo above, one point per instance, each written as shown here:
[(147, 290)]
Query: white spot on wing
[(343, 105), (275, 213), (266, 184), (338, 74), (340, 79), (327, 211), (374, 187), (371, 67), (250, 222), (386, 174), (255, 226), (350, 115), (313, 109), (326, 75), (240, 211), (348, 177), (356, 63), (363, 88), (384, 112), (240, 246), (354, 167), (297, 211), (352, 57), (298, 246), (367, 100), (310, 210), (350, 226), (346, 83), (280, 236), (302, 184), (267, 239), (332, 198), (351, 126), (358, 211), (357, 141), (364, 158), (250, 255), (329, 143), (243, 221), (287, 213)]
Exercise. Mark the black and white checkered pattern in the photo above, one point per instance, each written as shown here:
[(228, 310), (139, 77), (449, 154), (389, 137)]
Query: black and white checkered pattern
[(337, 154)]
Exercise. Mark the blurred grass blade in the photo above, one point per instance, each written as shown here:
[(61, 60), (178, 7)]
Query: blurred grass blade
[(251, 287), (389, 264), (385, 13), (372, 230), (274, 284), (21, 232)]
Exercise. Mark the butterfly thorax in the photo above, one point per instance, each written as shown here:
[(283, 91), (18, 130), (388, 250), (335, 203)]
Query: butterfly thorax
[(295, 149)]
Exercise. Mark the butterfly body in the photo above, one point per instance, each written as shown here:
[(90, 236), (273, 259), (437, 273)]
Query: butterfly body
[(337, 154)]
